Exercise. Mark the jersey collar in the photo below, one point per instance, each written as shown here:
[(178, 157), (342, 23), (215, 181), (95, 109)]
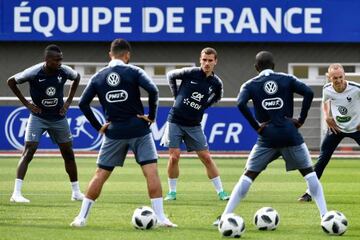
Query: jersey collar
[(266, 72), (116, 62)]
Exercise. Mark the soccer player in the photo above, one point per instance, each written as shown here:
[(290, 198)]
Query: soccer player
[(48, 113), (272, 96), (199, 89), (118, 88), (340, 104)]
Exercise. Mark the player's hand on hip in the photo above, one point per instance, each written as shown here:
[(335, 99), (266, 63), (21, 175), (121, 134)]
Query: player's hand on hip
[(33, 108), (64, 109), (146, 118), (296, 122), (332, 125), (358, 128), (261, 127), (104, 127)]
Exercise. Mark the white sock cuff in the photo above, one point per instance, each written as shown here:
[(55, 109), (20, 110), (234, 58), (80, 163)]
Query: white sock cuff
[(246, 179), (215, 178), (156, 199), (310, 175), (18, 180), (89, 200)]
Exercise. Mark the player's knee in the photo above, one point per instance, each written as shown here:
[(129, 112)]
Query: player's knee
[(29, 151), (174, 158)]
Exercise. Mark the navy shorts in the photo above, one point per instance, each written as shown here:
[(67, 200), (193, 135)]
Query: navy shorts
[(59, 131), (296, 157), (113, 151), (193, 137)]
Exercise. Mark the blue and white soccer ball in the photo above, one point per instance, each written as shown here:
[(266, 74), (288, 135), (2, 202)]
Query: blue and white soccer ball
[(334, 223), (266, 218), (231, 225), (144, 218)]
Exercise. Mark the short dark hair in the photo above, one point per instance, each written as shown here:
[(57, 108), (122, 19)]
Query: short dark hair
[(52, 49), (120, 46), (208, 51), (264, 60)]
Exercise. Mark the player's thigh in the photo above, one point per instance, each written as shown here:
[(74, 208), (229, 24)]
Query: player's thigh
[(59, 131), (296, 157), (195, 139), (144, 149), (260, 157), (35, 128), (174, 135), (113, 152)]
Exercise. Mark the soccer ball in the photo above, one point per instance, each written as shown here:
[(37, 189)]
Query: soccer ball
[(334, 223), (266, 218), (231, 225), (144, 218)]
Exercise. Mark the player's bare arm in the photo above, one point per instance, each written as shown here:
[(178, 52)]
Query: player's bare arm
[(13, 86), (329, 119), (70, 97)]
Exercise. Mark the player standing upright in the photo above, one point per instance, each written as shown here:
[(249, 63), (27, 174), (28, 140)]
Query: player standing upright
[(272, 97), (199, 89), (48, 112), (118, 89), (341, 108)]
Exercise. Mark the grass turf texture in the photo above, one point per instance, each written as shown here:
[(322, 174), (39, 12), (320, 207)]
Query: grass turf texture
[(50, 211)]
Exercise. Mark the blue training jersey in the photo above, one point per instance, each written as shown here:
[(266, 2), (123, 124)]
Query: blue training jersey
[(195, 93), (272, 95), (47, 91), (118, 88)]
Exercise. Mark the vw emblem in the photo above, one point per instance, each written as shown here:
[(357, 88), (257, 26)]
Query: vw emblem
[(270, 87), (113, 79), (342, 110), (50, 91)]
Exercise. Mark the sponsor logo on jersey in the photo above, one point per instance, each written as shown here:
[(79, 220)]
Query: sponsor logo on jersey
[(197, 96), (342, 110), (116, 96), (192, 82), (270, 87), (85, 137), (41, 80), (343, 119), (272, 103), (113, 79), (50, 91), (51, 102), (192, 104)]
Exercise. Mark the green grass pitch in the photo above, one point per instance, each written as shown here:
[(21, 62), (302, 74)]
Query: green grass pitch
[(50, 211)]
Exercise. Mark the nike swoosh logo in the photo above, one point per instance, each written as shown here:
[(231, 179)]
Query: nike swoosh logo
[(193, 82), (41, 80)]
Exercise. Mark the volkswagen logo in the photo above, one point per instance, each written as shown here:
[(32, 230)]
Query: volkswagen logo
[(270, 87), (113, 79), (50, 91), (342, 110)]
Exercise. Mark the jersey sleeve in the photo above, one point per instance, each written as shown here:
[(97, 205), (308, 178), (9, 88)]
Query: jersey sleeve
[(243, 98), (217, 94), (308, 95), (148, 85), (173, 75), (71, 74), (27, 75), (84, 104)]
